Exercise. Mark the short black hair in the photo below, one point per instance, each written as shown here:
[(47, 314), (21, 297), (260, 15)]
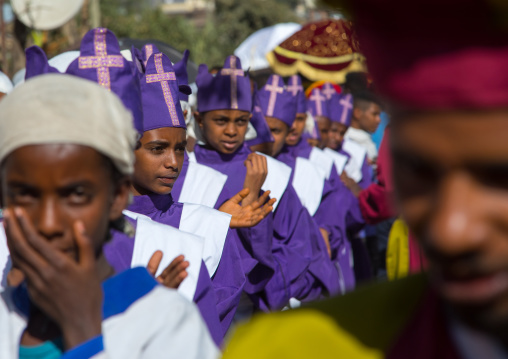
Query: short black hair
[(356, 82), (363, 99)]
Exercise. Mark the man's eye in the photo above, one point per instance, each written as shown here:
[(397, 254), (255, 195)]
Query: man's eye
[(157, 149), (220, 121), (78, 195), (241, 122), (180, 149), (21, 197)]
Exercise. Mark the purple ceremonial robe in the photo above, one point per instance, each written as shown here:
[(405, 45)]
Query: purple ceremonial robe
[(178, 186), (338, 206), (228, 280), (257, 261), (303, 269), (119, 251)]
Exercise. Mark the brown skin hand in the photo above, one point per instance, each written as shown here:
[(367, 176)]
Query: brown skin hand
[(248, 215), (368, 119), (60, 200), (279, 131), (159, 160), (296, 130), (450, 171)]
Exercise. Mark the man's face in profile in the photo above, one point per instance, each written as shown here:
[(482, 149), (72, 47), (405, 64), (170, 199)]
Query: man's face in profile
[(451, 175)]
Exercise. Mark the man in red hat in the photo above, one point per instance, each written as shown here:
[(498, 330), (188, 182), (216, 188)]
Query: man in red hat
[(442, 64)]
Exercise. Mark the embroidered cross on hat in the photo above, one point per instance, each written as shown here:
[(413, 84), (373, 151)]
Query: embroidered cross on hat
[(340, 108), (276, 101), (296, 89), (160, 94), (328, 90), (229, 90), (100, 61), (317, 104)]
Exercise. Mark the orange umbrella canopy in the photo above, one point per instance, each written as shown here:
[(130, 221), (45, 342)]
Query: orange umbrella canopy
[(323, 50)]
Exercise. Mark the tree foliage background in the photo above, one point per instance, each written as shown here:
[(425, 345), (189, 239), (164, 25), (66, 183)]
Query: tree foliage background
[(231, 23)]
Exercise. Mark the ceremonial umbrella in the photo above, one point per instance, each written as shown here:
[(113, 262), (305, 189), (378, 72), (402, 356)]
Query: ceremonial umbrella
[(173, 54), (323, 50), (252, 51)]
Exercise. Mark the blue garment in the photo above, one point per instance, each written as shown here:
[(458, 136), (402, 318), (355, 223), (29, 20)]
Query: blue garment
[(47, 350), (120, 292), (377, 136)]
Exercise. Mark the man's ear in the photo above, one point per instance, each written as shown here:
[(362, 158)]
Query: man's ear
[(199, 118), (357, 113), (121, 198), (185, 112), (250, 116)]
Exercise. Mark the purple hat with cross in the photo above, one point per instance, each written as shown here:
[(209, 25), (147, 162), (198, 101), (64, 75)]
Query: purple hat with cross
[(295, 87), (228, 90), (276, 101), (258, 121), (328, 90), (317, 104), (340, 108), (181, 73), (37, 63), (100, 61), (147, 51), (159, 91)]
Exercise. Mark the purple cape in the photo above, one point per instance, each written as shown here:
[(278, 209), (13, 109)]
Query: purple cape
[(119, 251), (303, 271)]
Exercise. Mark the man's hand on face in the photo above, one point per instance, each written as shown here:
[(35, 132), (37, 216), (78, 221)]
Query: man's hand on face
[(67, 290)]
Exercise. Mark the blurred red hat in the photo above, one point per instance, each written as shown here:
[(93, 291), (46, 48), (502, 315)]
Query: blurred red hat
[(436, 53)]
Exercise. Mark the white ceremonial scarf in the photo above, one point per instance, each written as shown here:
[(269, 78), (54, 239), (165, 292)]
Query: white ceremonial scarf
[(202, 184), (152, 236), (277, 179), (308, 182)]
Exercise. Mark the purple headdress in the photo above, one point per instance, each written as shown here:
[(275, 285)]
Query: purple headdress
[(159, 89), (37, 63), (296, 89), (228, 90), (100, 61), (276, 101), (340, 108), (317, 104)]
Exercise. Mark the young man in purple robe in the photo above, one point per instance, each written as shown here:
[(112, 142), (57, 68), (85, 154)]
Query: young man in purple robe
[(159, 160), (224, 105), (67, 155), (338, 210)]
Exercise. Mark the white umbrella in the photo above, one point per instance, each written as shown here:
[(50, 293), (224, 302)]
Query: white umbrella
[(252, 52)]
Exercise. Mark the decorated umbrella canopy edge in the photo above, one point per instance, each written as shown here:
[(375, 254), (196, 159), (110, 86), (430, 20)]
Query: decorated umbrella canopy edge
[(323, 50), (252, 51)]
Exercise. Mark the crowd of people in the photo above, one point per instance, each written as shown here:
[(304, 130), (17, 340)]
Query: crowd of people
[(142, 219)]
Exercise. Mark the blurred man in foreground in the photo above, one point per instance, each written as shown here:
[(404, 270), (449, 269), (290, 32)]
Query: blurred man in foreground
[(449, 90)]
